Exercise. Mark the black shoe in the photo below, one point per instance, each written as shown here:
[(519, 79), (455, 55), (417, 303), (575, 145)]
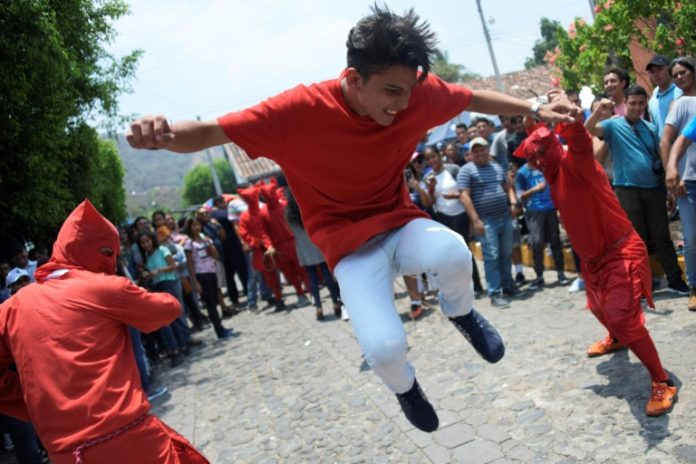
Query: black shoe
[(563, 280), (280, 306), (513, 292), (500, 302), (520, 278), (536, 284), (418, 409), (175, 359), (478, 293), (481, 334), (679, 287), (228, 333)]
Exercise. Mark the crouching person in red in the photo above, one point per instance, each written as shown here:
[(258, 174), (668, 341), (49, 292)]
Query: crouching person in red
[(614, 258), (67, 335)]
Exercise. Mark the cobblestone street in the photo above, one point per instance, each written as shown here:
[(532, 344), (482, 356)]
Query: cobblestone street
[(291, 389)]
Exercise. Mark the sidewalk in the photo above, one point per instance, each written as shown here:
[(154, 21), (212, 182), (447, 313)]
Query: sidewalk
[(291, 389)]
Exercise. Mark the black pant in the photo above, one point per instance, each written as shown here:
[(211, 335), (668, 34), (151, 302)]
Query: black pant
[(209, 295), (647, 211), (235, 263), (460, 224), (543, 229)]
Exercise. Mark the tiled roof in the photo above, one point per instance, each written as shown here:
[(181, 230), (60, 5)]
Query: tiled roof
[(247, 170), (518, 83)]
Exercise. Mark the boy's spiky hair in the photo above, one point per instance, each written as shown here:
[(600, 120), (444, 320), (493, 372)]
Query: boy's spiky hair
[(385, 39)]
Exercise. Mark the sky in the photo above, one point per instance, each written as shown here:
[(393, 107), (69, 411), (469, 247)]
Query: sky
[(208, 57)]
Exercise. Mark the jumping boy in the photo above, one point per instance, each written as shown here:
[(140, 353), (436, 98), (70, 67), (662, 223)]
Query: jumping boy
[(373, 114)]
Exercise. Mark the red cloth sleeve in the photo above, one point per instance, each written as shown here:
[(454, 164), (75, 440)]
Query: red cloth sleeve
[(580, 147), (147, 311)]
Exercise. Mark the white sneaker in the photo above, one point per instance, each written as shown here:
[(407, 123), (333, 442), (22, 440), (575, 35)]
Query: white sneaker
[(344, 314), (577, 286)]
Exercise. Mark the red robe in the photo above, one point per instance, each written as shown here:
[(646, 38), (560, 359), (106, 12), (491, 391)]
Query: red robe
[(614, 258), (67, 334)]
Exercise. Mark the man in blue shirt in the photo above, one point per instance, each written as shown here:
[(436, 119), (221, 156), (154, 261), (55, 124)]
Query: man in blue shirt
[(638, 181), (542, 221), (664, 93)]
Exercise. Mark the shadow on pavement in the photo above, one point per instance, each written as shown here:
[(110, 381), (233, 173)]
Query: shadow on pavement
[(630, 381)]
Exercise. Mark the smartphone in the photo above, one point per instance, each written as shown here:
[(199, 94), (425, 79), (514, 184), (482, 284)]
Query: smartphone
[(408, 175)]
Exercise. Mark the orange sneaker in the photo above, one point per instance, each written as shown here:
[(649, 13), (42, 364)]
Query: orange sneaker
[(662, 398), (605, 346)]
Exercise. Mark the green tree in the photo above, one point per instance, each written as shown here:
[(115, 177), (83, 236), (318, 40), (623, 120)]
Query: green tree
[(547, 43), (450, 72), (663, 26), (198, 182), (55, 75)]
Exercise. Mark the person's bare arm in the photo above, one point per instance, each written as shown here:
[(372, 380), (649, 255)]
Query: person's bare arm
[(490, 102), (669, 135), (155, 132), (465, 198), (675, 186), (601, 150)]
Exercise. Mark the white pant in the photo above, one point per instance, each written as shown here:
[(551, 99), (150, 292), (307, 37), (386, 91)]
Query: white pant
[(366, 279)]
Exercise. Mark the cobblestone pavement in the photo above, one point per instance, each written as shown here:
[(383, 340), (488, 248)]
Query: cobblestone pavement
[(294, 390)]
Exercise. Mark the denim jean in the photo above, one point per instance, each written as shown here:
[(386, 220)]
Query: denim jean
[(140, 360), (687, 214), (253, 279), (328, 280), (24, 439), (496, 244), (179, 329)]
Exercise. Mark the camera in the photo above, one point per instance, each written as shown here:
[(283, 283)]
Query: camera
[(657, 167)]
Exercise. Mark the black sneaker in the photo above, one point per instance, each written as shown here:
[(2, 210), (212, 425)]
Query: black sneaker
[(536, 284), (679, 287), (418, 409), (513, 292), (500, 302), (481, 334), (563, 280), (280, 306), (520, 278), (228, 333)]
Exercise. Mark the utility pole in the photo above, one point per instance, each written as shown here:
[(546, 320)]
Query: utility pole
[(592, 8), (216, 179), (501, 87)]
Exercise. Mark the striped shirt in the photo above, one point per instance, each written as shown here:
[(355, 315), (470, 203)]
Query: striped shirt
[(485, 184)]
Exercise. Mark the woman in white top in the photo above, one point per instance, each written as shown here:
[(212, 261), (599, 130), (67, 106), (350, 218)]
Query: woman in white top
[(449, 211)]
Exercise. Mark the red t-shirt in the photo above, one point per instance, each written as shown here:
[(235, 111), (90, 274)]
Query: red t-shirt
[(346, 171)]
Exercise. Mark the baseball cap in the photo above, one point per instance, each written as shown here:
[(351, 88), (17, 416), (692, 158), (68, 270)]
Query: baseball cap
[(14, 275), (478, 141), (657, 60)]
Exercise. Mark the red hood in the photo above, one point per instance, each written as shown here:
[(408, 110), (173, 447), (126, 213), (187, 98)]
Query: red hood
[(80, 240), (272, 194), (542, 149), (250, 195)]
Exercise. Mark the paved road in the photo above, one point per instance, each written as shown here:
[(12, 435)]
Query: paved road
[(294, 390)]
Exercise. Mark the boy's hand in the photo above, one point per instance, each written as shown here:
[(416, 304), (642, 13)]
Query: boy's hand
[(150, 132)]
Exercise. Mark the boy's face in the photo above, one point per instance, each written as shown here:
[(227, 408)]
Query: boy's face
[(382, 95)]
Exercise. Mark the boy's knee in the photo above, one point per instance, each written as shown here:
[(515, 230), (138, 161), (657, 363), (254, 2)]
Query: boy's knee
[(386, 351), (452, 256)]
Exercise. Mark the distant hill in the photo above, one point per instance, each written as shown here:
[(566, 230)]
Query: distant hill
[(154, 179), (147, 169)]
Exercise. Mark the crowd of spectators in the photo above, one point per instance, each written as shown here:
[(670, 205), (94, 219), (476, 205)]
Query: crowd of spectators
[(476, 176)]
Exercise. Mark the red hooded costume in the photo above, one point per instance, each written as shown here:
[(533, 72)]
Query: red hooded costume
[(76, 378), (614, 258), (283, 240)]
